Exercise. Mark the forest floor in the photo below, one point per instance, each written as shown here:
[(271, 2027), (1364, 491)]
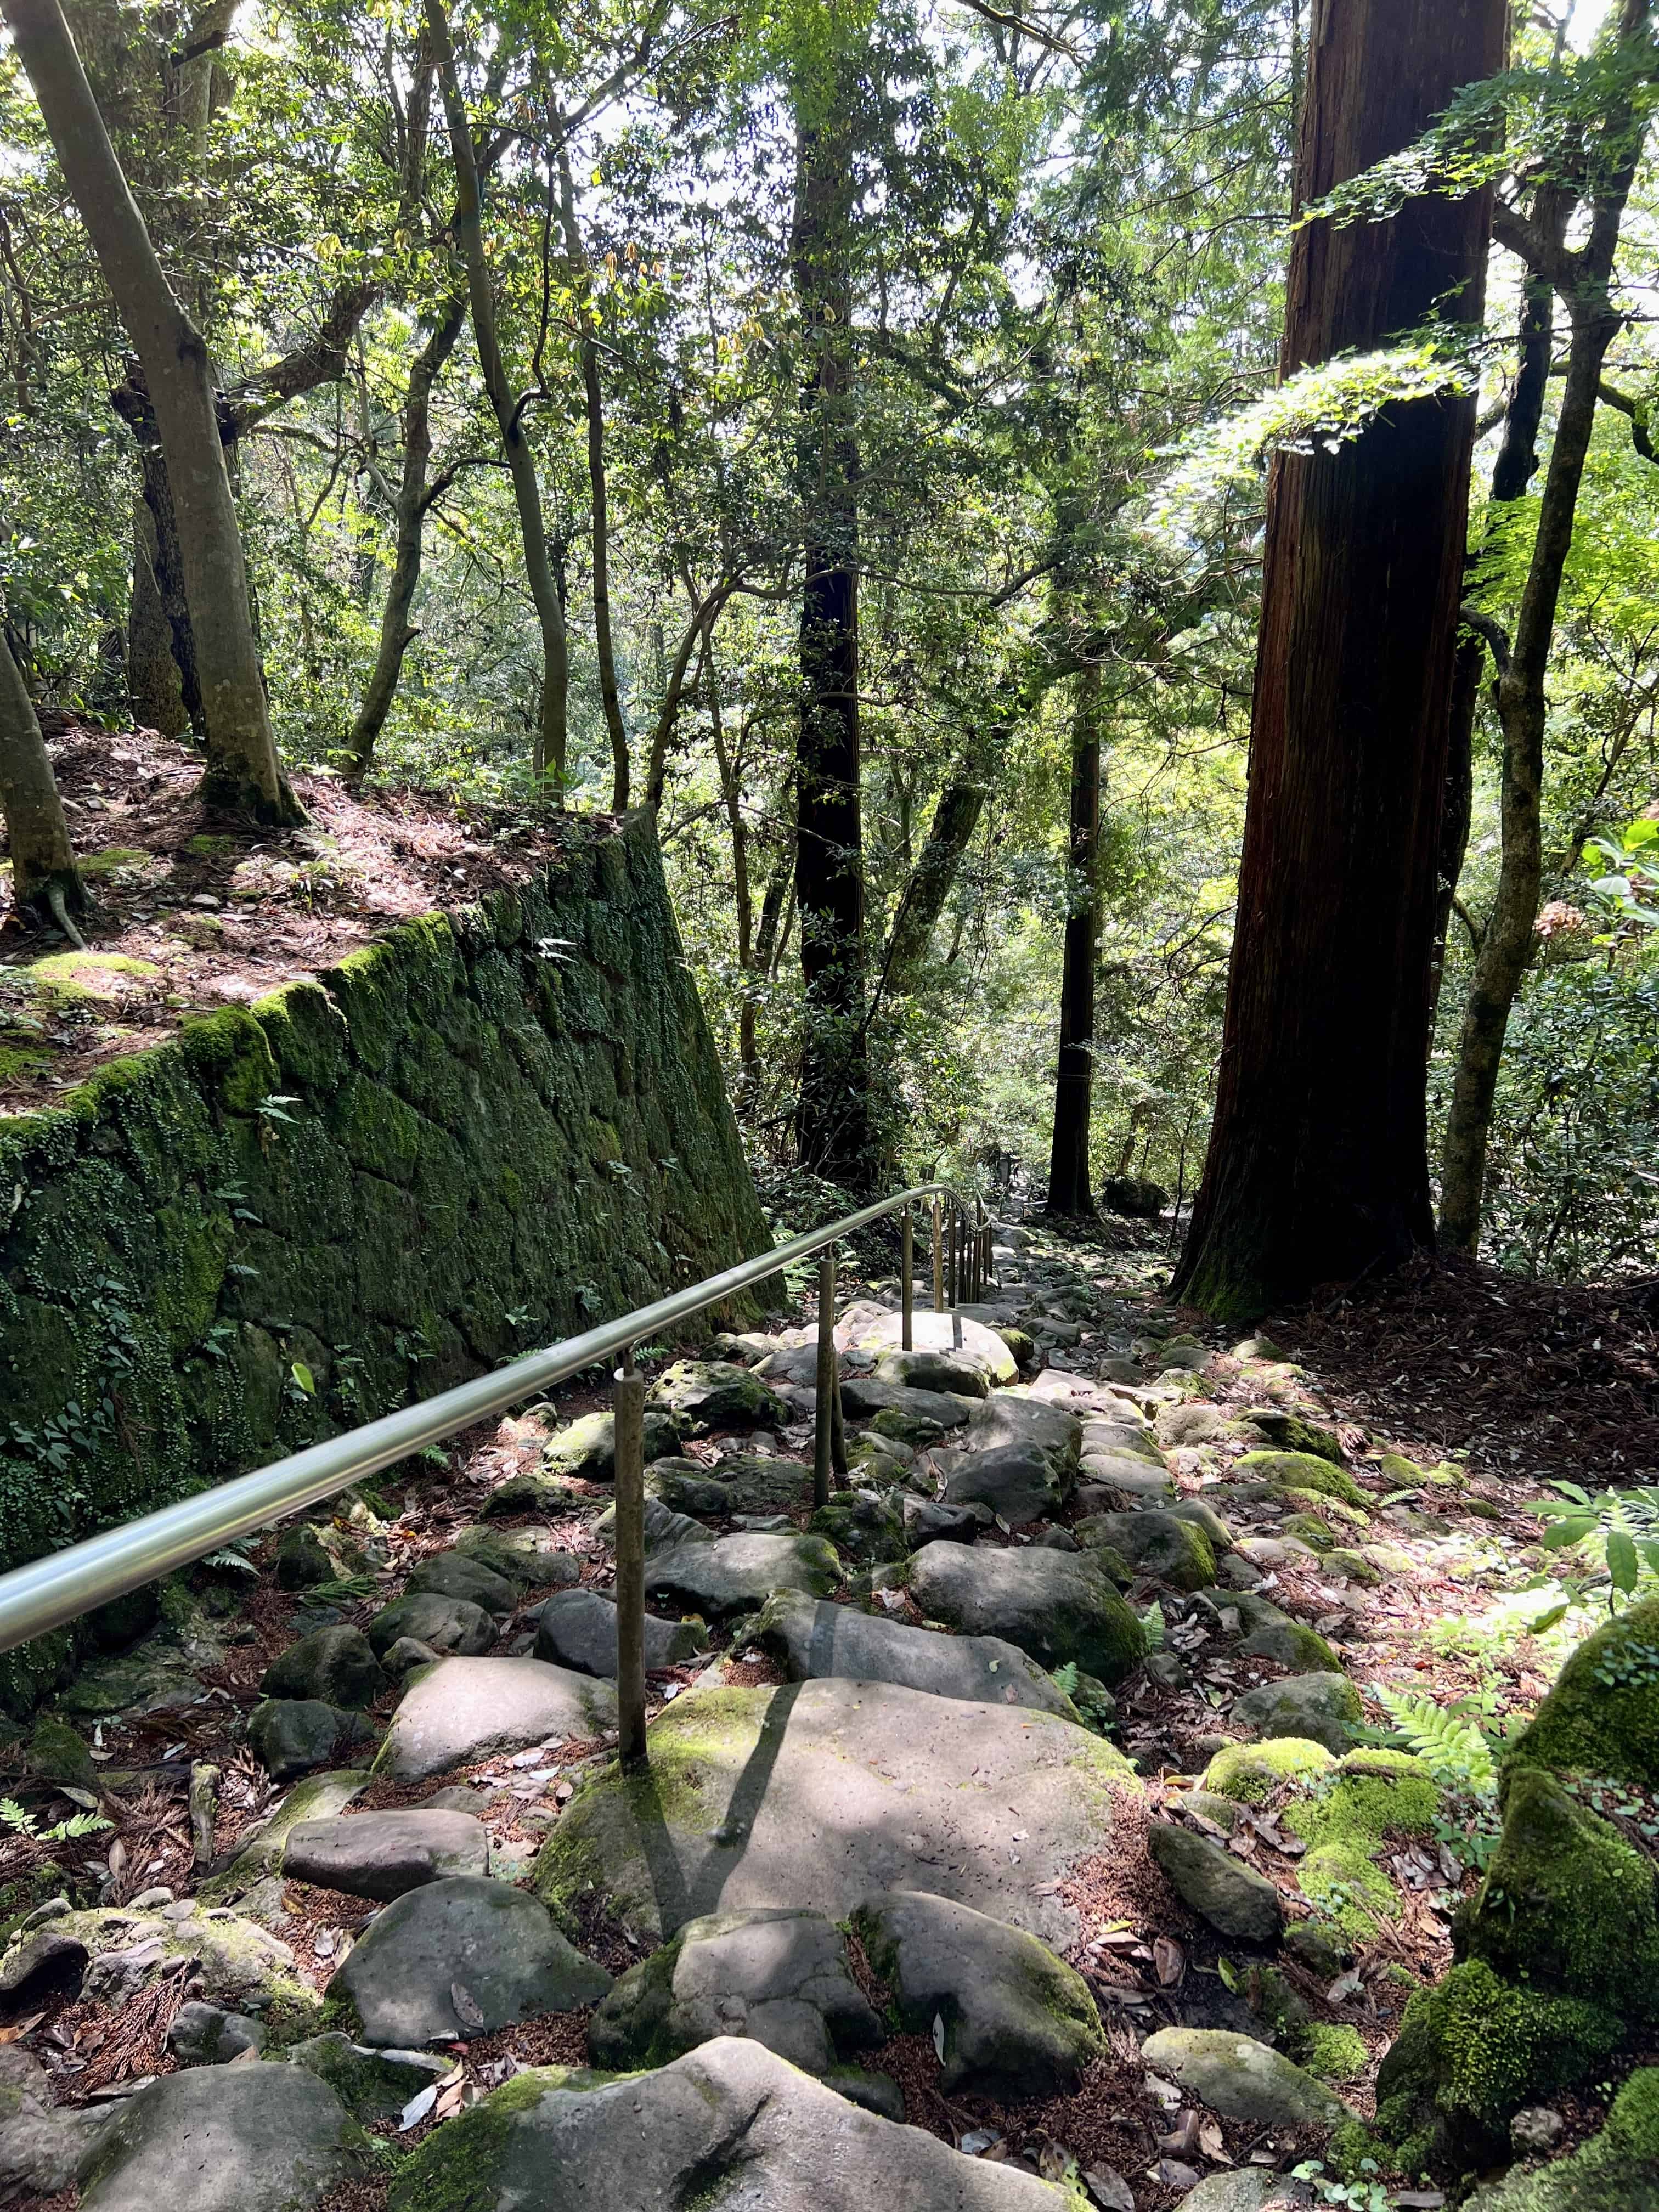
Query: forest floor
[(1431, 1590), (189, 915)]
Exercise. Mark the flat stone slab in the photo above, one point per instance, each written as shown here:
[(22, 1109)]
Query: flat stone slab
[(1011, 1417), (1235, 2075), (1016, 1483), (1056, 1606), (814, 1793), (981, 1348), (465, 1710), (577, 1628), (734, 1573), (383, 1853), (780, 1977), (261, 2138), (818, 1641), (1019, 2022), (862, 1398), (462, 1958), (944, 1370), (525, 1556), (452, 1574), (730, 2124)]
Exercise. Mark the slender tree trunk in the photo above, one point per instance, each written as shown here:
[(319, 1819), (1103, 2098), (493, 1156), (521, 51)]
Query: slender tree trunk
[(779, 885), (553, 722), (397, 634), (1317, 1167), (241, 774), (593, 402), (1070, 1191), (832, 1127), (1507, 943), (956, 817), (43, 870)]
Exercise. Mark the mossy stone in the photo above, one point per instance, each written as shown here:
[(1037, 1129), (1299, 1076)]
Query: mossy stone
[(1332, 2054), (1250, 1773), (1342, 1880), (1302, 1470), (1371, 1795), (1603, 1716), (1617, 2171)]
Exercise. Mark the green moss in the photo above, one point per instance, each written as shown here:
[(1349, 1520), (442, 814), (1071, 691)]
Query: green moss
[(1311, 1531), (1366, 1802), (1355, 2153), (1305, 1470), (18, 1060), (1342, 1880), (210, 848), (1250, 1773), (1401, 1472), (1328, 1508), (227, 1051), (1472, 2052), (1603, 1716), (1567, 1904), (112, 862), (1342, 1561), (1332, 2054), (459, 2167), (73, 978)]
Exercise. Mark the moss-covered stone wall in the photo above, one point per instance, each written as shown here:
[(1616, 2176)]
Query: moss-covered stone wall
[(489, 1131)]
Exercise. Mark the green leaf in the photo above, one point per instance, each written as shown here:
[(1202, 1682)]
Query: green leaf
[(1560, 1533), (303, 1376), (1622, 1563)]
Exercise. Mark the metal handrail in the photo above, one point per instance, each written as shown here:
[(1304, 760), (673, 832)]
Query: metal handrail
[(65, 1585)]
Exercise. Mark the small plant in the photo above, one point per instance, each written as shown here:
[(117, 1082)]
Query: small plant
[(233, 1557), (1456, 1744), (1152, 1621), (1622, 1524), (25, 1826), (1367, 2195)]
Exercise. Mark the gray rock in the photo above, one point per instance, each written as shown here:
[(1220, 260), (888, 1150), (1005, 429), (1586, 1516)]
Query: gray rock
[(875, 2093), (934, 1370), (1017, 2021), (735, 1573), (383, 1853), (402, 1658), (745, 1482), (1242, 2079), (1053, 1605), (260, 1850), (577, 1628), (1170, 1549), (208, 2035), (465, 1710), (238, 1964), (586, 1451), (815, 1793), (864, 1398), (448, 1624), (296, 1736), (779, 1975), (1018, 1483), (461, 1958), (302, 1561), (981, 1347), (1057, 1539), (1320, 1946), (1290, 1644), (863, 1525), (1252, 2189), (1131, 1440), (527, 1557), (666, 1528), (337, 1665), (41, 2144), (259, 2138), (1220, 1887), (1107, 1481), (1536, 2129), (452, 1574), (818, 1641), (372, 2085), (705, 1395), (926, 1522), (1317, 1706), (730, 2123), (1203, 1515), (1013, 1416), (1192, 1425)]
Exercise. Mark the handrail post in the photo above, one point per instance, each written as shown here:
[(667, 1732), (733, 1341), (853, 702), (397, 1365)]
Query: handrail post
[(629, 1405), (938, 1260), (907, 1284), (828, 1398), (979, 1250), (956, 1276)]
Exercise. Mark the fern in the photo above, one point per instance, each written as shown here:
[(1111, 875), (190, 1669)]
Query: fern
[(1152, 1621), (1065, 1679), (1455, 1751), (12, 1816)]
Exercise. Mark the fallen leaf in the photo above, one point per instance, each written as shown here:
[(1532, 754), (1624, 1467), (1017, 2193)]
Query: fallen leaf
[(1181, 2141), (939, 2037), (467, 2009), (416, 2109), (1110, 2191), (1174, 2175), (20, 2028), (1054, 2162), (1170, 1959), (1344, 1987), (1210, 2142), (245, 2058)]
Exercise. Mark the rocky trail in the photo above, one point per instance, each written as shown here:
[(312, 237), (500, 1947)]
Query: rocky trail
[(1067, 1814)]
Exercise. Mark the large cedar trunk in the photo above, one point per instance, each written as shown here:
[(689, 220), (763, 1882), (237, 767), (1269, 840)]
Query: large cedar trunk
[(1070, 1191), (833, 1123), (1317, 1169)]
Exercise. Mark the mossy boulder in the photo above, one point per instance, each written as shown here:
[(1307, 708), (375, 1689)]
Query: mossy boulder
[(585, 1451), (1309, 1529), (1168, 1546), (1344, 1882), (1248, 1773), (1322, 1705), (862, 1526), (1470, 2053), (1294, 1432), (1332, 2054), (1567, 1904), (1301, 1470), (1290, 1644), (58, 1754), (704, 1396), (1617, 2171), (1370, 1795), (1603, 1716)]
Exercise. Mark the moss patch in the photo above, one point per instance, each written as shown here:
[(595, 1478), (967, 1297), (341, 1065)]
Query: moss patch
[(1603, 1716), (1302, 1469), (1344, 1882), (1248, 1773), (1371, 1795), (1332, 2054)]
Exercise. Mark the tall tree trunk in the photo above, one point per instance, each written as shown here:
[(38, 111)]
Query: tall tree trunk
[(1070, 1191), (241, 772), (1318, 1168), (766, 948), (594, 403), (832, 1130), (956, 817), (43, 870), (413, 499), (553, 724), (1583, 280)]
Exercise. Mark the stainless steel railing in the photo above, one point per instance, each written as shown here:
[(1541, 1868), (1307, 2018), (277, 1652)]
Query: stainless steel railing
[(65, 1585)]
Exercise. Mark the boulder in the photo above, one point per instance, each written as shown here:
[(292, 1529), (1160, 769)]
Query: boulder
[(1053, 1605), (1017, 2021), (1603, 1716), (730, 2124), (261, 2138), (296, 1736), (926, 1522), (446, 1623), (1616, 2171), (452, 1574), (818, 1641), (1107, 1482), (934, 1370), (577, 1628), (1124, 1439), (381, 1855), (585, 1451), (465, 1710), (705, 1395), (814, 1793), (112, 1952), (1289, 1644), (337, 1665), (1301, 1471), (779, 1975), (1136, 1196), (1013, 1416), (260, 1850), (302, 1561), (1294, 1432), (527, 1557), (1168, 1546), (41, 2144), (1016, 1483), (1242, 2079), (1220, 1889), (665, 1527), (867, 1526), (863, 1399), (372, 2085), (983, 1349), (735, 1573), (1318, 1707), (208, 2035), (1248, 1773), (1192, 1425), (460, 1958)]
